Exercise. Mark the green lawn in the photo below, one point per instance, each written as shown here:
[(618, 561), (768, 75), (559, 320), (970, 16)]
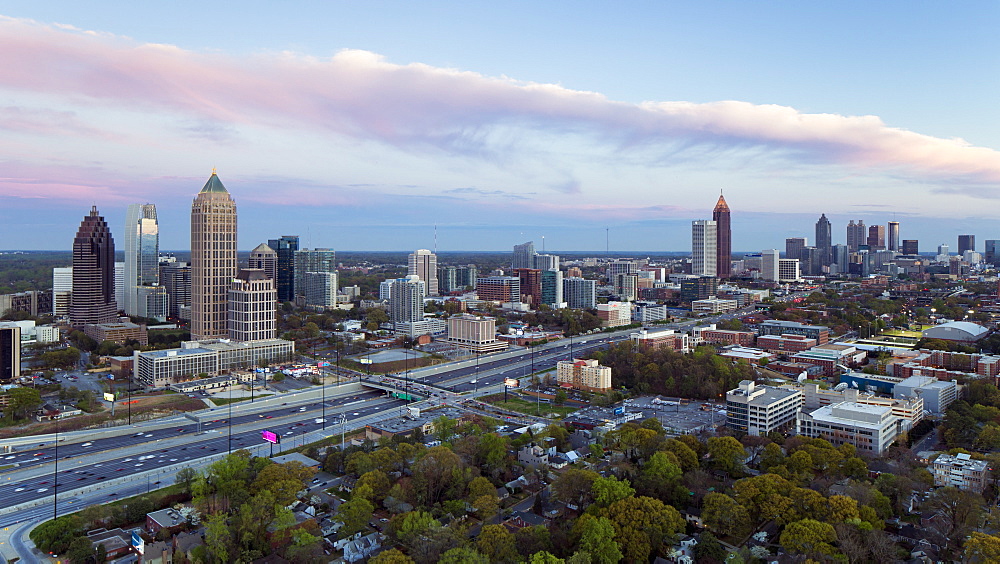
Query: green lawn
[(227, 401), (902, 333)]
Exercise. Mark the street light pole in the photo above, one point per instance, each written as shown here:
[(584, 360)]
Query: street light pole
[(230, 417), (55, 475)]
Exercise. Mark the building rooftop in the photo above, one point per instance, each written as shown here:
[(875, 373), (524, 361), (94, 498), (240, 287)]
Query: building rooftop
[(296, 457), (962, 460), (214, 184), (854, 414)]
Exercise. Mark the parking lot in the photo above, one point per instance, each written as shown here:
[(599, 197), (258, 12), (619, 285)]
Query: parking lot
[(679, 416)]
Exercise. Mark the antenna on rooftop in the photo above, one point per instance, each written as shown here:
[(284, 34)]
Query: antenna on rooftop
[(543, 243), (607, 241), (435, 238)]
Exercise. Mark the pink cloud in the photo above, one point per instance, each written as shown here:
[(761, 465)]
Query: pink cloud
[(360, 94)]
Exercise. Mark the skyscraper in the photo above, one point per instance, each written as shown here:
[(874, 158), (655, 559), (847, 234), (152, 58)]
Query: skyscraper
[(992, 256), (263, 257), (62, 290), (524, 255), (93, 297), (769, 267), (251, 306), (10, 354), (857, 235), (966, 243), (794, 246), (176, 279), (876, 237), (406, 302), (213, 259), (311, 260), (141, 290), (824, 240), (531, 285), (285, 247), (423, 264), (580, 293), (892, 235), (704, 238), (911, 247), (723, 239)]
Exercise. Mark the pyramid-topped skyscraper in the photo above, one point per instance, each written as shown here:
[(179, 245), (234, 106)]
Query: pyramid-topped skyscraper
[(724, 242), (213, 259)]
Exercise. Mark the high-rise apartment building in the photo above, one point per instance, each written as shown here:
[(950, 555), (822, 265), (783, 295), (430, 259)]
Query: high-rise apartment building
[(892, 235), (824, 240), (552, 288), (447, 279), (546, 262), (10, 353), (723, 239), (263, 257), (62, 290), (627, 287), (704, 251), (580, 293), (876, 238), (93, 296), (423, 264), (524, 255), (966, 243), (252, 301), (794, 246), (142, 293), (617, 267), (857, 235), (319, 288), (465, 276), (213, 259), (285, 247), (311, 260), (406, 302)]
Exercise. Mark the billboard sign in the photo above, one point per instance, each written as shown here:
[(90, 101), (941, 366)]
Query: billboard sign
[(619, 411), (109, 397), (323, 363), (138, 543), (511, 382), (271, 436)]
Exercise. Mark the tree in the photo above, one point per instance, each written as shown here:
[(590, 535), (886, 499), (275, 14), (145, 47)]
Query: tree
[(724, 515), (486, 505), (462, 555), (496, 542), (23, 401), (544, 557), (709, 547), (411, 525), (809, 537), (218, 539), (642, 524), (480, 486), (354, 514), (560, 397), (575, 486), (392, 556), (438, 475), (283, 480), (80, 551), (57, 534), (959, 510), (609, 490), (982, 548), (444, 428), (726, 453), (597, 538), (377, 481)]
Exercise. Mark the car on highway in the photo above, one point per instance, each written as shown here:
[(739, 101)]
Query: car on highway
[(42, 490), (86, 444)]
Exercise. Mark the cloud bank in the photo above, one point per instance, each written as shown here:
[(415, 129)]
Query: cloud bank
[(416, 107)]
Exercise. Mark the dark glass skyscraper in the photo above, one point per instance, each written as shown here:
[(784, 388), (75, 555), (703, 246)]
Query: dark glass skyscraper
[(724, 239), (285, 247), (93, 298), (824, 241), (966, 243)]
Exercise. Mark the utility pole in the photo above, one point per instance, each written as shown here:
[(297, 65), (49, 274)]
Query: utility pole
[(55, 475), (230, 417), (343, 430)]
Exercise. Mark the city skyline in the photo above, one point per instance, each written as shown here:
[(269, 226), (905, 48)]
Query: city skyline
[(359, 136)]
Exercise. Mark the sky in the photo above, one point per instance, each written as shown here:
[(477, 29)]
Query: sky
[(470, 126)]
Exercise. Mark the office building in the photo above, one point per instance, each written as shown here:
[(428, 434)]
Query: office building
[(824, 240), (794, 246), (788, 270), (758, 410), (502, 289), (62, 290), (704, 251), (119, 332), (857, 235), (698, 288), (966, 243), (961, 471), (524, 255), (769, 263), (659, 339), (312, 260), (586, 375), (876, 238), (319, 289), (991, 256), (447, 279), (93, 295), (176, 280), (776, 327), (892, 236), (615, 314), (531, 285), (423, 264), (252, 301), (406, 303), (465, 276), (213, 259), (937, 394), (263, 257), (475, 333), (911, 247), (162, 368), (617, 267), (552, 288), (142, 294), (723, 238), (870, 428), (10, 353), (580, 293), (286, 248)]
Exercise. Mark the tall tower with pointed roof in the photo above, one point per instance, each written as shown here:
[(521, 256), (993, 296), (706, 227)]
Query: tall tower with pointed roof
[(213, 259), (724, 239), (93, 297)]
